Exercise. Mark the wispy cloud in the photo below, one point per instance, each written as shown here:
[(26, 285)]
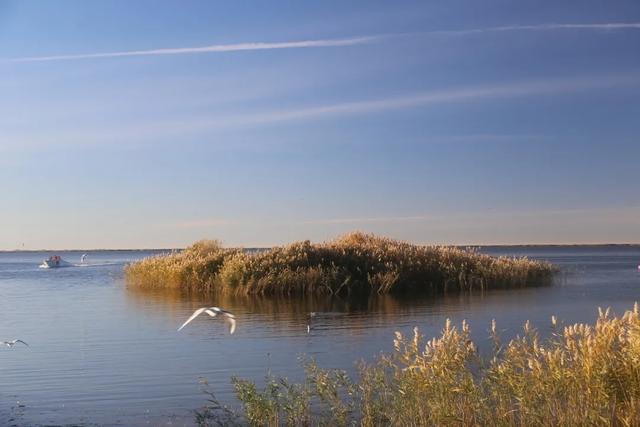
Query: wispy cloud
[(609, 26), (352, 41), (497, 91), (368, 220), (218, 48), (597, 213), (140, 132), (204, 223)]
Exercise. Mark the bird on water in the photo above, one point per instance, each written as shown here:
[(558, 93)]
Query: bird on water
[(311, 316)]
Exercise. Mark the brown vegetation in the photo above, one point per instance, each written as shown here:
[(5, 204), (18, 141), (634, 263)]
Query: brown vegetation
[(583, 375), (356, 263)]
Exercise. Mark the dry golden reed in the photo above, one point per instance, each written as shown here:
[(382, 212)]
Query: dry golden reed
[(583, 375), (356, 263)]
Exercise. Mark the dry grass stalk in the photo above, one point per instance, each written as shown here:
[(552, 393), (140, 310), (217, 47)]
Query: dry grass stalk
[(583, 375)]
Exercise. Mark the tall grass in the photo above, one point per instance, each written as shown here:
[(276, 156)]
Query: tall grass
[(356, 263), (583, 375)]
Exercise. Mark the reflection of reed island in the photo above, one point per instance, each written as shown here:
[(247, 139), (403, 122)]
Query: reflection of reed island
[(285, 314), (355, 264)]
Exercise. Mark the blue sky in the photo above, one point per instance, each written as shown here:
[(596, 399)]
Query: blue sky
[(154, 124)]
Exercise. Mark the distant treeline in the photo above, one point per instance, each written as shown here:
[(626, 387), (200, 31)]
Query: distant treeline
[(356, 263)]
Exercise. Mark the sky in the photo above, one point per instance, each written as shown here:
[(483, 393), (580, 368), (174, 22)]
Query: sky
[(154, 124)]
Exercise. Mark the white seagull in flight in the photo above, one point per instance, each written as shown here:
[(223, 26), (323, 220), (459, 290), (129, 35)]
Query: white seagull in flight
[(14, 342), (213, 312)]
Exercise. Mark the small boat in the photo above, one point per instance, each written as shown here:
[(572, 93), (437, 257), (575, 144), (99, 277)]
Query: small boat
[(55, 261)]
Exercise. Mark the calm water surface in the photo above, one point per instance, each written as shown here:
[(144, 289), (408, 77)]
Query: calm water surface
[(102, 354)]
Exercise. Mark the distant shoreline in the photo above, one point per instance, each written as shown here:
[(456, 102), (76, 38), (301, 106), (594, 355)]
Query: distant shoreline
[(521, 245)]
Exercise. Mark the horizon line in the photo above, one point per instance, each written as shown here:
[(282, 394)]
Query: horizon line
[(280, 245)]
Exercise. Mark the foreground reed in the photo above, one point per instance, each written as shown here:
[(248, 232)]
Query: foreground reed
[(583, 375), (356, 263)]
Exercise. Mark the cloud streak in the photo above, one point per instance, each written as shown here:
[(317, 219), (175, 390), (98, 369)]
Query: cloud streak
[(352, 41), (205, 223), (219, 48), (139, 132), (498, 91), (596, 213), (610, 26), (368, 220)]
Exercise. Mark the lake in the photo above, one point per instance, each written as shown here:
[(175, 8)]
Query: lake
[(103, 354)]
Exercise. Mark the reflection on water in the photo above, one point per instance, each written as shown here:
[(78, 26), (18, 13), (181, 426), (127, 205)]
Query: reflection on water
[(106, 354)]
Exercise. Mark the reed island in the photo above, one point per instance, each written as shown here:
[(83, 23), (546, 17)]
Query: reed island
[(353, 264)]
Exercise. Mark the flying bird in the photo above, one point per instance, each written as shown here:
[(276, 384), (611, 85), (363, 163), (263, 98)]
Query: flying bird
[(213, 312), (14, 342)]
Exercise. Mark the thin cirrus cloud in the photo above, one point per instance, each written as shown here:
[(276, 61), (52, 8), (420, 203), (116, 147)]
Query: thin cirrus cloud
[(367, 220), (607, 26), (204, 223), (352, 41), (501, 91), (621, 213), (615, 214), (496, 91), (219, 48)]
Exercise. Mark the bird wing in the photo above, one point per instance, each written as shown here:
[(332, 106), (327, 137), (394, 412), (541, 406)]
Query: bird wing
[(16, 341), (229, 317), (193, 316), (232, 322)]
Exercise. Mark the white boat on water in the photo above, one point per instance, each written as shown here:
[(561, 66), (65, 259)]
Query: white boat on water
[(55, 261)]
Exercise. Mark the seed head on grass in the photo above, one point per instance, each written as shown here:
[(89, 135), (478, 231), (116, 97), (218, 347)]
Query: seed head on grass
[(583, 375)]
